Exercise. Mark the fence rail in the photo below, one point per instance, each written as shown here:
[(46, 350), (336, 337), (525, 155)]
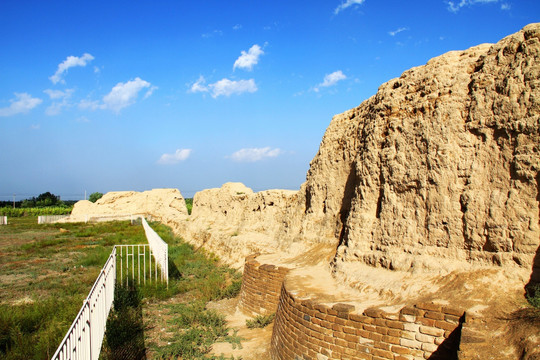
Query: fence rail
[(50, 219), (85, 336), (3, 220), (160, 250)]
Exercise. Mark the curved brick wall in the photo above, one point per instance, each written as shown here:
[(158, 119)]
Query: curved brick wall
[(304, 330), (261, 285)]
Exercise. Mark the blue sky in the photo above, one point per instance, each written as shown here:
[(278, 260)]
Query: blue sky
[(135, 95)]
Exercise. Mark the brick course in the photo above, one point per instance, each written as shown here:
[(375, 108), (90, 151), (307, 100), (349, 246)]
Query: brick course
[(306, 330), (261, 285)]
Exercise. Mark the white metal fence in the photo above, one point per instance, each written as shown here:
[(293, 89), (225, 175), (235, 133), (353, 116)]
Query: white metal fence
[(160, 250), (3, 220), (134, 263), (85, 336), (49, 219)]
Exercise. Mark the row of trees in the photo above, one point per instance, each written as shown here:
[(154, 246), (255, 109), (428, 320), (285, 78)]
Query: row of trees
[(47, 199)]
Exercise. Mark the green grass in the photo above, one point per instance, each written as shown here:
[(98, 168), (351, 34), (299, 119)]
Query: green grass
[(47, 270), (260, 321), (45, 274)]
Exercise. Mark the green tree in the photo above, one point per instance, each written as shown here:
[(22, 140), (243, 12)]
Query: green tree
[(95, 196)]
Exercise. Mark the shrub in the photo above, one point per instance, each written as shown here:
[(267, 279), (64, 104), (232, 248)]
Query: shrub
[(260, 321), (95, 196), (533, 295)]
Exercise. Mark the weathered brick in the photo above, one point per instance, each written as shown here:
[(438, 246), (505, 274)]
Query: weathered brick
[(391, 340), (429, 306), (407, 318), (390, 316), (429, 347), (373, 312), (451, 319), (340, 307), (452, 311), (394, 324), (425, 338), (445, 325), (385, 354), (411, 327), (426, 322), (361, 318), (433, 331), (322, 308), (400, 350), (410, 343), (435, 315)]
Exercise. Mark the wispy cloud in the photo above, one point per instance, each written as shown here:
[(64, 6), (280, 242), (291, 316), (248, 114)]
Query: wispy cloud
[(397, 31), (505, 6), (249, 59), (124, 94), (71, 61), (331, 80), (455, 6), (60, 100), (174, 158), (212, 34), (121, 96), (224, 87), (199, 85), (237, 27), (22, 103), (346, 4), (255, 154)]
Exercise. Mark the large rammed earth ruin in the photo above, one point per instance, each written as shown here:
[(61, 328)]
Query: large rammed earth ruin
[(416, 231)]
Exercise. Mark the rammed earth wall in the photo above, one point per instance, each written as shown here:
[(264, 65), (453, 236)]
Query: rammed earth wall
[(261, 286)]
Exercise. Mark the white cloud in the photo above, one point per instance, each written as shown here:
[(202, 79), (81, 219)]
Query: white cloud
[(56, 107), (346, 4), (89, 104), (505, 6), (124, 94), (70, 61), (397, 31), (176, 157), (228, 87), (249, 59), (35, 127), (331, 80), (224, 87), (199, 85), (456, 6), (255, 154), (22, 103), (237, 27), (212, 34)]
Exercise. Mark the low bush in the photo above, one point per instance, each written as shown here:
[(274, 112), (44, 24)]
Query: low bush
[(260, 321)]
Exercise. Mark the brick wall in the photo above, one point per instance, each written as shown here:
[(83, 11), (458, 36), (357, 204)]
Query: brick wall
[(305, 330), (261, 285)]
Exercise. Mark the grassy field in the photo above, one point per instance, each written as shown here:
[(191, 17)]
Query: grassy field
[(46, 271)]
